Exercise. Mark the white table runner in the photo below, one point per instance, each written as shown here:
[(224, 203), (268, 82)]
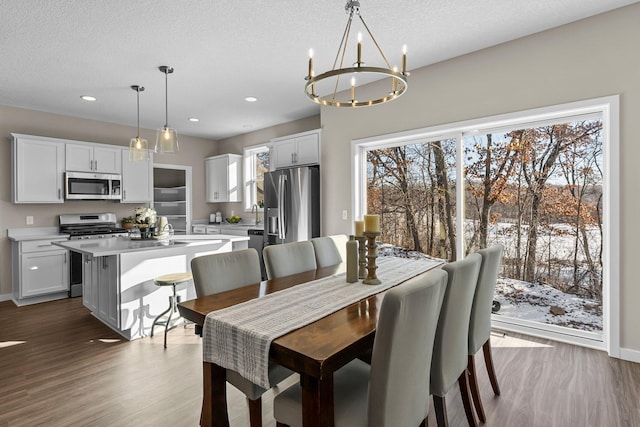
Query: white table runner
[(239, 337)]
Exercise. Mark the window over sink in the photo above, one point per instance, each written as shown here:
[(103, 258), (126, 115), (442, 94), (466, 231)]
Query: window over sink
[(256, 161)]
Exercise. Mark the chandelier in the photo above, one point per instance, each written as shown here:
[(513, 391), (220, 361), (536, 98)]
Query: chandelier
[(323, 88)]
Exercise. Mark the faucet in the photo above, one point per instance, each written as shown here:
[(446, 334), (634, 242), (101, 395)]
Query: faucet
[(255, 207)]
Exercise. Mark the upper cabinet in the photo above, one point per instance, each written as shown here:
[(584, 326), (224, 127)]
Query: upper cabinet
[(223, 178), (296, 150), (137, 179), (93, 158), (37, 170)]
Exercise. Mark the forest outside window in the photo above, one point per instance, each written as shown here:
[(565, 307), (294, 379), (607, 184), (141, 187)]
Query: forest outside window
[(536, 184)]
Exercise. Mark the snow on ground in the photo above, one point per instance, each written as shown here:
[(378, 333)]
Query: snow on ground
[(533, 301), (530, 301)]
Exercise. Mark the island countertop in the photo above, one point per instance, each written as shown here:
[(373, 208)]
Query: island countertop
[(119, 245)]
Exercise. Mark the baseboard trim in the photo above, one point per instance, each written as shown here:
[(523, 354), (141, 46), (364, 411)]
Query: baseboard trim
[(630, 355), (5, 297)]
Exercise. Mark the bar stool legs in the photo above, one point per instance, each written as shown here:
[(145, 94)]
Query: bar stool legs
[(169, 280)]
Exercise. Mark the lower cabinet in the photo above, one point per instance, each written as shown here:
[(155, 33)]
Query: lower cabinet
[(39, 269), (100, 288)]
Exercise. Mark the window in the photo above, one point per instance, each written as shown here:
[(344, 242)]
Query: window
[(256, 163), (540, 182)]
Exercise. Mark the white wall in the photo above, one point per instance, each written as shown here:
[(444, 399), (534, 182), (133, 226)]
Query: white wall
[(586, 59)]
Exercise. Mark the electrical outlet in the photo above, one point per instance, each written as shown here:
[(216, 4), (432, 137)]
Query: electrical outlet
[(345, 215), (29, 220)]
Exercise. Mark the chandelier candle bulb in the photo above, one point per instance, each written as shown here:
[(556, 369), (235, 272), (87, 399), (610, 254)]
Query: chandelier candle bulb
[(353, 89), (404, 59), (394, 82), (372, 223), (359, 56), (310, 63), (359, 228)]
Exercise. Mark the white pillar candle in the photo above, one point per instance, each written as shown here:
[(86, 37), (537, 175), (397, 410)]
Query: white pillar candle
[(372, 223), (359, 228)]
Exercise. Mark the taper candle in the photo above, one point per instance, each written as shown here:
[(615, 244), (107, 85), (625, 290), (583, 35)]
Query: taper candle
[(404, 59), (353, 89), (359, 61), (310, 63)]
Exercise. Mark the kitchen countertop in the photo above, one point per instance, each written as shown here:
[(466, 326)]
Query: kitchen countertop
[(34, 233), (119, 245)]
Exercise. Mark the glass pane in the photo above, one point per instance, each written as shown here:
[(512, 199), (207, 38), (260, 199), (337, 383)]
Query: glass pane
[(412, 188), (262, 165), (538, 191)]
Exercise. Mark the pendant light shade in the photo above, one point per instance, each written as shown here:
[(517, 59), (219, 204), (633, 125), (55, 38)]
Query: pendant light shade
[(138, 147), (167, 138)]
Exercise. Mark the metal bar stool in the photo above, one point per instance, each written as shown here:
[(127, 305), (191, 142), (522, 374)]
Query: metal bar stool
[(172, 279)]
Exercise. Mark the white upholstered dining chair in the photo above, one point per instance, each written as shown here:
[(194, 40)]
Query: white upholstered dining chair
[(449, 361), (222, 272), (394, 389), (327, 249), (288, 258), (480, 323)]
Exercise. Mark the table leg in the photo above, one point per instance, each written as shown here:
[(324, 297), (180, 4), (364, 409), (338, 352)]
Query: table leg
[(317, 401), (214, 396)]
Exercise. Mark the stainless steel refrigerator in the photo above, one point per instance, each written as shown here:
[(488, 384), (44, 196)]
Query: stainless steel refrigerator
[(292, 205)]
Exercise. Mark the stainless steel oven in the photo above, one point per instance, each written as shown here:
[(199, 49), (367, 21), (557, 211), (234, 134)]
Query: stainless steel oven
[(86, 226), (92, 186)]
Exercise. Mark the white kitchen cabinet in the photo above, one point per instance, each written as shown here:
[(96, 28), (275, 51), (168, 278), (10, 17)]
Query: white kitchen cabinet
[(97, 158), (100, 292), (296, 150), (223, 176), (108, 293), (39, 268), (90, 283), (37, 170), (137, 179)]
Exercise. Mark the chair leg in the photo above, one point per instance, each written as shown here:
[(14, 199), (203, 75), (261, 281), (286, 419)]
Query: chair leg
[(473, 385), (440, 406), (463, 382), (255, 412), (424, 423), (280, 424), (488, 361)]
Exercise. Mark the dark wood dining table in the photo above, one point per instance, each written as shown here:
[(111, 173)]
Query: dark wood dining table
[(315, 351)]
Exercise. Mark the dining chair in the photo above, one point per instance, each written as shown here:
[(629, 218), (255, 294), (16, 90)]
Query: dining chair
[(222, 272), (480, 323), (327, 250), (289, 258), (449, 361), (394, 389)]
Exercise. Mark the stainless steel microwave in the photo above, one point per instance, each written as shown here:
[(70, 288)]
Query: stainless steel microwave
[(92, 186)]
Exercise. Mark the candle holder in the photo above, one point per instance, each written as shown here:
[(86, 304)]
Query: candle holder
[(362, 257), (371, 279)]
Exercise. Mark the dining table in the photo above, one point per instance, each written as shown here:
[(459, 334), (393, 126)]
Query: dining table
[(315, 351)]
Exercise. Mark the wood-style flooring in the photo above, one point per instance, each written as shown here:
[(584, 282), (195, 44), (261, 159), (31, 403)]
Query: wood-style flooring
[(61, 367)]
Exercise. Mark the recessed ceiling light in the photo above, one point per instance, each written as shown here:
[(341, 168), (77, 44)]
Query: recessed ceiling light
[(193, 119), (251, 99), (88, 98)]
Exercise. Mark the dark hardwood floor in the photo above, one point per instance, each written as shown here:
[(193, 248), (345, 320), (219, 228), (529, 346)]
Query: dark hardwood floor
[(61, 367)]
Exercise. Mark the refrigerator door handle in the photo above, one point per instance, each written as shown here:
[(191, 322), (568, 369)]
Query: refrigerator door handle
[(280, 207), (283, 207)]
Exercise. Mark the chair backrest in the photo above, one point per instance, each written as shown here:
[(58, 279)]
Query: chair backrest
[(401, 359), (326, 250), (222, 272), (450, 347), (289, 258), (480, 321)]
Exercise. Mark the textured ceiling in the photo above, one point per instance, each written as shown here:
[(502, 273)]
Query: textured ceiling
[(55, 51)]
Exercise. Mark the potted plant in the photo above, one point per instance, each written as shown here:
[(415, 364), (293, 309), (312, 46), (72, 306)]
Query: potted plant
[(127, 222)]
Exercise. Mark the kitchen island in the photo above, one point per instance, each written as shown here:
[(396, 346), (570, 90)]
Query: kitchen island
[(118, 275)]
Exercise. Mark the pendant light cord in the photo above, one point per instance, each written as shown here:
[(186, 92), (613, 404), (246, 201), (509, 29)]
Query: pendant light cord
[(166, 99)]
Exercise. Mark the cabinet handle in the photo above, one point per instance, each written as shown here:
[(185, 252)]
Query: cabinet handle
[(59, 191), (65, 258), (44, 246), (292, 161), (95, 165), (124, 194)]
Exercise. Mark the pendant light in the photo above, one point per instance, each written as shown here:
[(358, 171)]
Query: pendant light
[(167, 138), (138, 147)]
